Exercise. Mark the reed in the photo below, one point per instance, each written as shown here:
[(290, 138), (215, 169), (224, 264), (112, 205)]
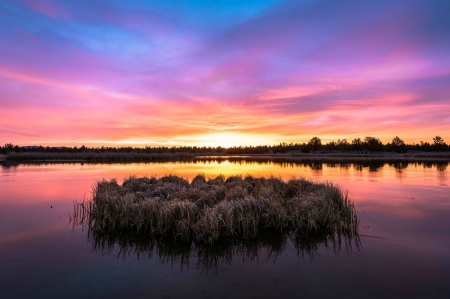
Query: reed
[(207, 210)]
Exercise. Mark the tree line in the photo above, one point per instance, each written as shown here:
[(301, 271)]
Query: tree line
[(367, 145), (371, 145)]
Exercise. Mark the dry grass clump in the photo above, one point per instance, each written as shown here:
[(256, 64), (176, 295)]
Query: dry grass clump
[(207, 210)]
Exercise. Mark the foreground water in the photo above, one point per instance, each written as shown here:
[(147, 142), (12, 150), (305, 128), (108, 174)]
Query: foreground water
[(403, 251)]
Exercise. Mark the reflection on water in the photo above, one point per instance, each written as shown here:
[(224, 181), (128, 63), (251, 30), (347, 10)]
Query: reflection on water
[(371, 165), (404, 204), (268, 246)]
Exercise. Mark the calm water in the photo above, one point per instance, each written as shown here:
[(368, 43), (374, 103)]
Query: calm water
[(404, 211)]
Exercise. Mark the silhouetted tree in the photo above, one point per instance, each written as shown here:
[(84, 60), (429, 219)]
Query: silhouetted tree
[(343, 145), (438, 140), (331, 146), (397, 141), (305, 148), (398, 145), (9, 147), (425, 146), (439, 143), (357, 144), (315, 143), (373, 144)]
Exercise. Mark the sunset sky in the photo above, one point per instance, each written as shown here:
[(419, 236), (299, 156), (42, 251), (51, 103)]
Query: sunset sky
[(230, 72)]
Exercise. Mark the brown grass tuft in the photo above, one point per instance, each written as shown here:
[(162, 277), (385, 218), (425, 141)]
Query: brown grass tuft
[(207, 210)]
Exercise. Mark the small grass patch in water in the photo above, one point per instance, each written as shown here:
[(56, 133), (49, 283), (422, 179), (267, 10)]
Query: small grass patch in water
[(207, 210)]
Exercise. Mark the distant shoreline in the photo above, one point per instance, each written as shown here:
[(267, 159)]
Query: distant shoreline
[(96, 157), (180, 157), (336, 156)]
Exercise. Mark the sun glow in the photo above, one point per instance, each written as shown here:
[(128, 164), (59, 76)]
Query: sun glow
[(230, 140)]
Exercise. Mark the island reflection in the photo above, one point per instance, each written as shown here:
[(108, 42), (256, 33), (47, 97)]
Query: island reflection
[(208, 259)]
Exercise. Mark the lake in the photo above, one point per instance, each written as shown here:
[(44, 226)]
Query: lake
[(402, 252)]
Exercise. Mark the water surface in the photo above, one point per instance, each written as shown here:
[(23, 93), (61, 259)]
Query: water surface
[(403, 253)]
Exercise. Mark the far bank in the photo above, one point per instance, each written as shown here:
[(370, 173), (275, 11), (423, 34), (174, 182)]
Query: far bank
[(25, 157)]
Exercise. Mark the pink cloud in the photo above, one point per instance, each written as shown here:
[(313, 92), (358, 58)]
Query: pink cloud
[(133, 75)]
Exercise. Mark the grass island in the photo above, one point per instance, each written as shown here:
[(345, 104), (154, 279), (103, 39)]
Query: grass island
[(207, 210)]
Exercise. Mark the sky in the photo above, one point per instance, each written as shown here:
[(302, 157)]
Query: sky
[(228, 72)]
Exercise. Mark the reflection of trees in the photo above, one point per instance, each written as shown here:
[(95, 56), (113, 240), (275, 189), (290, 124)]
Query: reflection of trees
[(428, 164), (9, 165), (268, 246), (399, 165), (441, 166), (375, 166), (358, 167), (315, 164)]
